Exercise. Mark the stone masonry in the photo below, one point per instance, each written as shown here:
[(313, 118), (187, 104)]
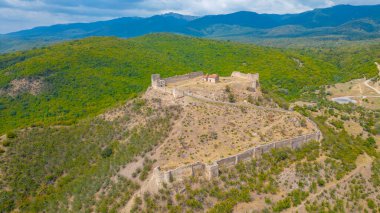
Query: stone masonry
[(210, 171)]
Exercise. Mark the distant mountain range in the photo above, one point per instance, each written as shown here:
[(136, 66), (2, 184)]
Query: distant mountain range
[(339, 22)]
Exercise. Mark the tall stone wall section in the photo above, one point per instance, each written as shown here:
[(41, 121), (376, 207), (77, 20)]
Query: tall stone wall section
[(178, 78), (249, 76), (212, 170), (252, 77), (158, 82)]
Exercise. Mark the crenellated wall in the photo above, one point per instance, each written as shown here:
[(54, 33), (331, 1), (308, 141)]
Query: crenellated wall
[(212, 170)]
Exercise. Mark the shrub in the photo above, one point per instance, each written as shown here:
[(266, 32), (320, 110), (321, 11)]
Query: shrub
[(6, 202), (297, 196), (11, 135), (370, 142), (282, 205), (321, 182), (377, 129), (338, 124), (250, 99), (194, 204), (231, 98), (371, 204), (6, 143), (303, 123), (227, 89), (107, 152)]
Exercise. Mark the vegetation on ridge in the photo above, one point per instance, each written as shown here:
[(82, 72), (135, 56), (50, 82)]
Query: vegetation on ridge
[(84, 77)]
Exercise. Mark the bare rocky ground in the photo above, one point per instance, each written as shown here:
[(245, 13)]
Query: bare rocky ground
[(238, 86), (24, 85), (206, 131), (209, 131), (366, 92)]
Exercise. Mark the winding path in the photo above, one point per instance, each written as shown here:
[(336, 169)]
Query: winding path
[(366, 83), (373, 88)]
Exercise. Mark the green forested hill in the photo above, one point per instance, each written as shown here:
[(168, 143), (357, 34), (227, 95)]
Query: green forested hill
[(75, 167), (82, 78)]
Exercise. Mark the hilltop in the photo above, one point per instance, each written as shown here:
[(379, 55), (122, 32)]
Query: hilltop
[(110, 162), (80, 131), (63, 83)]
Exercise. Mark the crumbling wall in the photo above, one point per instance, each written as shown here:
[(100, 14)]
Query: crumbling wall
[(249, 76), (252, 77), (158, 82), (227, 162), (212, 170), (178, 78), (245, 156), (178, 93), (155, 79)]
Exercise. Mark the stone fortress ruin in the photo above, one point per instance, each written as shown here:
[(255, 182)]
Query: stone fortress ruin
[(216, 132), (158, 82), (191, 84)]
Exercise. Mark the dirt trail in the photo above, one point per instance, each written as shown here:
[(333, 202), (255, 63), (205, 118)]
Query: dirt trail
[(149, 185), (371, 87), (362, 161), (367, 81)]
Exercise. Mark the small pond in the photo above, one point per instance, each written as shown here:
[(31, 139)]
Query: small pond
[(344, 100)]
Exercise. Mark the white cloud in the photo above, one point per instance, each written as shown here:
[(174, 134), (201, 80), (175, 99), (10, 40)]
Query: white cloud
[(23, 14)]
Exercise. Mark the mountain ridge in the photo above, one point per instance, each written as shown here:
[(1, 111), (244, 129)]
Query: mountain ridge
[(341, 21)]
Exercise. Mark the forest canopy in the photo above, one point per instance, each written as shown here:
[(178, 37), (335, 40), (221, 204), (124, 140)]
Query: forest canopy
[(84, 77)]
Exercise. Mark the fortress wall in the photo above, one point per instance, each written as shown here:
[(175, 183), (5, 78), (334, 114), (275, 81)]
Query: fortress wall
[(177, 78), (267, 147), (258, 152), (198, 169), (283, 144), (178, 93), (154, 79), (245, 156), (227, 162), (249, 76), (164, 90), (182, 172), (212, 170)]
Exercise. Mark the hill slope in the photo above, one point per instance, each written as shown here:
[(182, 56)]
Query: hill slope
[(66, 82), (339, 22)]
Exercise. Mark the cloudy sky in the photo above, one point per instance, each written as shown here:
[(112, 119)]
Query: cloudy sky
[(24, 14)]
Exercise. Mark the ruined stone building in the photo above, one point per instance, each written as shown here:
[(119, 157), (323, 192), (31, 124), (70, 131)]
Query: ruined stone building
[(252, 77), (214, 78), (157, 81)]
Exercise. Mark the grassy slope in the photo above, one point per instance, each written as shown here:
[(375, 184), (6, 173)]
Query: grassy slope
[(85, 77)]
